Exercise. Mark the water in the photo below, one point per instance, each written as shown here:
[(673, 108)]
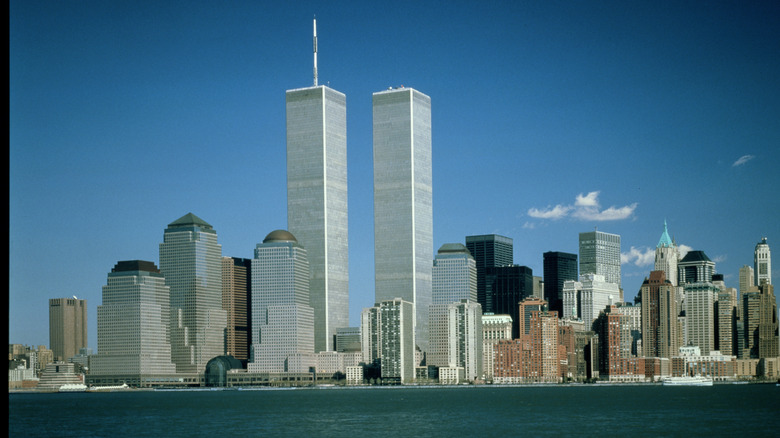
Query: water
[(569, 410)]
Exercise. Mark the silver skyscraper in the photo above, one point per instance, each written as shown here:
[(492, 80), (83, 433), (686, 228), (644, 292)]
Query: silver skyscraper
[(403, 201), (317, 201)]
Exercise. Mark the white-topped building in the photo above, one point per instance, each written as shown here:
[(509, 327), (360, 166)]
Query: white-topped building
[(584, 299), (762, 263)]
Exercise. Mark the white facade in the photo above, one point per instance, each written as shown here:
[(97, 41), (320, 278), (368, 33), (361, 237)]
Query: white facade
[(464, 333), (191, 262), (667, 256), (494, 329), (317, 201), (762, 263), (134, 323), (584, 299), (387, 332), (403, 201), (282, 320)]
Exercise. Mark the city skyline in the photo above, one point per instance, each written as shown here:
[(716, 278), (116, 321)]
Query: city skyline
[(554, 119)]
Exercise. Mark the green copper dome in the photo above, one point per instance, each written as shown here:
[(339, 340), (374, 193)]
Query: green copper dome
[(665, 241)]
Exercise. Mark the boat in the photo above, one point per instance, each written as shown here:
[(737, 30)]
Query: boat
[(73, 387), (688, 381), (121, 387)]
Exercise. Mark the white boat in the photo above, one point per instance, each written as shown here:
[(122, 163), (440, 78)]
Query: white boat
[(121, 387), (73, 387), (688, 381)]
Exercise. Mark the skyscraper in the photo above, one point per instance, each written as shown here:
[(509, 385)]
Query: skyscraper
[(282, 320), (317, 201), (695, 267), (700, 315), (67, 327), (387, 335), (505, 288), (464, 328), (489, 251), (236, 299), (667, 256), (558, 268), (584, 299), (600, 254), (134, 331), (762, 262), (454, 279), (403, 201), (659, 316), (191, 262)]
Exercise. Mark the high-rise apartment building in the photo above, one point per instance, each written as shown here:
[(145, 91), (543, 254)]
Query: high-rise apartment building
[(489, 251), (236, 299), (700, 315), (600, 254), (464, 334), (67, 327), (505, 288), (387, 335), (494, 328), (558, 268), (403, 201), (134, 331), (659, 316), (760, 323), (667, 255), (282, 320), (762, 263), (454, 279), (317, 201), (191, 262)]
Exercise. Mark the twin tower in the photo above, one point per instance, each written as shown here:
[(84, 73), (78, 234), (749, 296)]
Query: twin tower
[(403, 201)]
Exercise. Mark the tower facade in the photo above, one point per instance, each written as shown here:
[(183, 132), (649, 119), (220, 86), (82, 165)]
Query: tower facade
[(191, 262), (464, 328), (403, 201), (666, 256), (700, 315), (762, 263), (67, 327), (317, 201), (388, 335), (600, 254), (282, 320), (558, 268), (586, 298), (505, 288), (236, 299), (489, 251), (695, 267), (454, 279), (134, 332), (659, 316)]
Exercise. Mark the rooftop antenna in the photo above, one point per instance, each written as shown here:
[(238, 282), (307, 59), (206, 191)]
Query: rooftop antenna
[(315, 51)]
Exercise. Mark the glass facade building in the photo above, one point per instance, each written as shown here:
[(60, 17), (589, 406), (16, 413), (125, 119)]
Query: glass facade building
[(558, 268), (403, 201), (317, 201), (600, 254), (489, 251)]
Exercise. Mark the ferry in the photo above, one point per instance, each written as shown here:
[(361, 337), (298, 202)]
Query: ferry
[(688, 381), (73, 387), (121, 387)]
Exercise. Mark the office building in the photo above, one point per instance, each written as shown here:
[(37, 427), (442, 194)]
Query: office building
[(586, 298), (67, 327), (505, 288), (746, 279), (659, 316), (760, 323), (667, 255), (403, 201), (489, 251), (558, 268), (236, 300), (282, 320), (464, 335), (317, 201), (600, 254), (762, 263), (134, 331), (695, 267), (348, 340), (700, 315), (454, 279), (191, 262)]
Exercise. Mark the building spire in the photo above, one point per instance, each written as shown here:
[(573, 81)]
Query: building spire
[(315, 51)]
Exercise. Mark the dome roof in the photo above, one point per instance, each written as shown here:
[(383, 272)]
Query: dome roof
[(280, 236), (695, 256), (454, 248)]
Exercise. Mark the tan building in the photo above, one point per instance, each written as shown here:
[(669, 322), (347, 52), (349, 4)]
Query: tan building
[(67, 327), (659, 316)]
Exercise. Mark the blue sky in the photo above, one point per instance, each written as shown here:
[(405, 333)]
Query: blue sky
[(549, 119)]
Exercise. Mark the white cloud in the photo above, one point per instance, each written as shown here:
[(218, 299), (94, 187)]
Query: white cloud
[(554, 213), (586, 208), (684, 249), (638, 256), (742, 160)]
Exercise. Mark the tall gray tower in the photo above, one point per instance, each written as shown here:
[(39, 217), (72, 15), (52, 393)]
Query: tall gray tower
[(191, 262), (317, 200), (403, 201), (600, 254)]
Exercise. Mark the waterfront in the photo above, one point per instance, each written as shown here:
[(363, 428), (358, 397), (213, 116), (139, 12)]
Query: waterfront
[(583, 410)]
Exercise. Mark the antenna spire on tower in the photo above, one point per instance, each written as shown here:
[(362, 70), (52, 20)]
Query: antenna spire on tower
[(315, 51)]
